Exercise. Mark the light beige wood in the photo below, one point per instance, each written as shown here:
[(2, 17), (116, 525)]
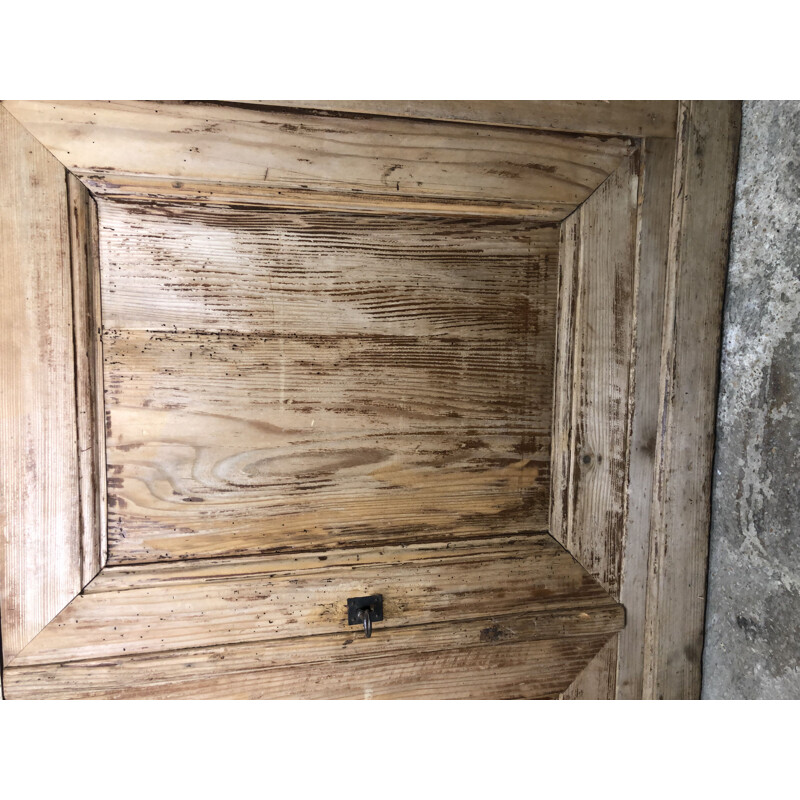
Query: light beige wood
[(231, 145), (531, 670), (88, 376), (249, 669), (705, 167), (475, 594), (608, 117), (655, 195), (534, 637), (324, 380), (40, 548), (142, 188), (591, 418)]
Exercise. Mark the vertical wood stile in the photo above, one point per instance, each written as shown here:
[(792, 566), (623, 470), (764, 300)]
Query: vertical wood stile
[(705, 171), (40, 565), (655, 193)]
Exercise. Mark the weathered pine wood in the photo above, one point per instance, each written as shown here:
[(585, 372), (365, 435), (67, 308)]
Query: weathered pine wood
[(229, 145), (591, 418), (476, 580), (563, 444), (529, 670), (280, 380), (219, 668), (141, 188), (40, 549), (655, 194), (634, 118), (705, 171), (597, 680), (88, 375)]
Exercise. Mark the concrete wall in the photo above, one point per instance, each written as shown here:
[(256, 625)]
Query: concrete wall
[(752, 645)]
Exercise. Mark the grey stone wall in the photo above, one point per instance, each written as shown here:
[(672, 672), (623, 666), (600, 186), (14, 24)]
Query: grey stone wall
[(752, 647)]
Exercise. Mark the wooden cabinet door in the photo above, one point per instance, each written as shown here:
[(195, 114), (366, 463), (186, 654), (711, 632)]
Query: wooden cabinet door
[(262, 358)]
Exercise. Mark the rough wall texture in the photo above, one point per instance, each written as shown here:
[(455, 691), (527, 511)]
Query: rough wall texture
[(752, 645)]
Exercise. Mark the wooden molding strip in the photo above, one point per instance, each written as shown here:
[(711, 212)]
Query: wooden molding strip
[(632, 118), (383, 160), (703, 193), (88, 376), (655, 196), (40, 549)]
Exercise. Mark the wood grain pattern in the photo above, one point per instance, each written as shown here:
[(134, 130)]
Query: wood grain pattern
[(229, 145), (88, 376), (280, 380), (602, 321), (40, 550), (705, 171), (536, 669), (632, 118), (475, 580), (597, 680), (591, 418), (655, 196)]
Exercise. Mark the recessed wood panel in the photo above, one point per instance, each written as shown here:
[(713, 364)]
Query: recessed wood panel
[(280, 380)]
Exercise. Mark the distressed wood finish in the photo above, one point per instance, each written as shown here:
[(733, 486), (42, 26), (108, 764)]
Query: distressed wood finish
[(496, 593), (228, 145), (655, 195), (88, 376), (591, 418), (327, 346), (705, 171), (633, 118), (283, 380), (40, 550), (200, 605), (536, 669), (592, 415)]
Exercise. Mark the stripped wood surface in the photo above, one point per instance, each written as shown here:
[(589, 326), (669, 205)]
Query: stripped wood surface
[(597, 680), (143, 188), (40, 548), (705, 173), (632, 118), (425, 382), (655, 195), (592, 420), (537, 669), (88, 376), (289, 380), (591, 416), (508, 578), (235, 144), (236, 669)]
